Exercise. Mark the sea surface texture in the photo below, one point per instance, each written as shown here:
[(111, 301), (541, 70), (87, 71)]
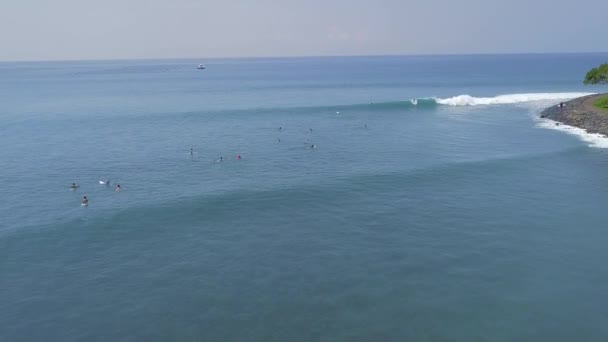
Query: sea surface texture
[(375, 199)]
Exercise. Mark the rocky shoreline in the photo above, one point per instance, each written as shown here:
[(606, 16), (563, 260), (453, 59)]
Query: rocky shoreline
[(580, 113)]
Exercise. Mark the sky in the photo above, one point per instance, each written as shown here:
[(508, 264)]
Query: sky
[(134, 29)]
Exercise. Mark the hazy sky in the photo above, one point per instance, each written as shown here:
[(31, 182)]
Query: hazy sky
[(117, 29)]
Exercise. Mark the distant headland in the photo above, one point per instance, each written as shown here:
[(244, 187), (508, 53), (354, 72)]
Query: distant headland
[(587, 112), (597, 75)]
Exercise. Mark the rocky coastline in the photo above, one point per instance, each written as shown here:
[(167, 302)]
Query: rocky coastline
[(580, 113)]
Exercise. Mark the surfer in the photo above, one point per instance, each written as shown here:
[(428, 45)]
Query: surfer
[(74, 186), (85, 201), (104, 182)]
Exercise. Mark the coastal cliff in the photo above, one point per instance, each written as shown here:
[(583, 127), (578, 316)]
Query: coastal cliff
[(580, 113)]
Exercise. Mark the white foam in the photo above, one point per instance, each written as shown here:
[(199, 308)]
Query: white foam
[(467, 100), (593, 139)]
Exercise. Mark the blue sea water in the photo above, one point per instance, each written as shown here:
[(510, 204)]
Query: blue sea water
[(421, 215)]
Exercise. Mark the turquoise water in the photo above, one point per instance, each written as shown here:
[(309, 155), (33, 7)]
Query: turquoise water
[(444, 218)]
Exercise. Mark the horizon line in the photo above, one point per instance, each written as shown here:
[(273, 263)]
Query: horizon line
[(306, 56)]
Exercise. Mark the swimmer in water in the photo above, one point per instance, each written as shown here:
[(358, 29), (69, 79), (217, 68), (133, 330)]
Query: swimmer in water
[(85, 201), (238, 157), (313, 146), (365, 125), (220, 160), (118, 188), (310, 130), (191, 151), (280, 128), (74, 186), (278, 140)]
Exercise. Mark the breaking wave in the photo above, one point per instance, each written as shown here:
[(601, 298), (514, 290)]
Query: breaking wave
[(467, 100), (463, 100)]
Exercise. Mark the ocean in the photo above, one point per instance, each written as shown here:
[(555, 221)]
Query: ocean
[(395, 198)]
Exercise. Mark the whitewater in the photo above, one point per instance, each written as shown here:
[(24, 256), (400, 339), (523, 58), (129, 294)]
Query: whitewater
[(467, 100), (543, 100)]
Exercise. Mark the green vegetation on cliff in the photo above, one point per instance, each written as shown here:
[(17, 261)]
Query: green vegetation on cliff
[(597, 75), (602, 102)]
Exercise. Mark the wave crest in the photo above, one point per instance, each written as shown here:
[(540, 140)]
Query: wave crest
[(467, 100)]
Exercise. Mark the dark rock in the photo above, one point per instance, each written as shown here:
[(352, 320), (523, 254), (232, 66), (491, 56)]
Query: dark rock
[(579, 113)]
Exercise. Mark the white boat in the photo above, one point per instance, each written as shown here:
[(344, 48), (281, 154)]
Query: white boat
[(200, 67)]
